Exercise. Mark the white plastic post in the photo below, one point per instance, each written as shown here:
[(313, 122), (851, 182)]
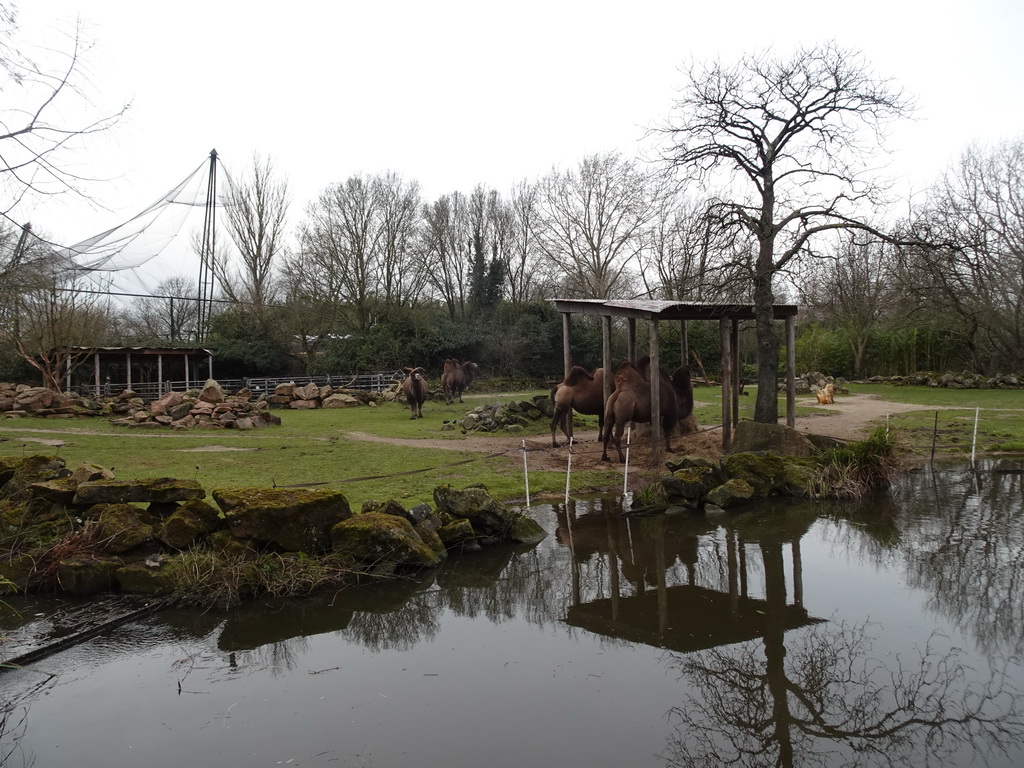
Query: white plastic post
[(625, 467), (974, 442), (568, 472), (526, 475)]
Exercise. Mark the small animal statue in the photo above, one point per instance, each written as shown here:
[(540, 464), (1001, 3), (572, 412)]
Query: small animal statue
[(826, 395), (581, 392), (414, 387)]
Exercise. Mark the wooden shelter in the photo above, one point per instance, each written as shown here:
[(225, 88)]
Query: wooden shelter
[(192, 359), (654, 312)]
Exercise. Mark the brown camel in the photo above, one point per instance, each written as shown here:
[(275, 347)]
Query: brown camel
[(631, 401), (415, 389), (456, 378), (579, 391)]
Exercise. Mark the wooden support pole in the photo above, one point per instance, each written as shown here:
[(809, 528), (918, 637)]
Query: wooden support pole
[(656, 436), (606, 355), (790, 371), (631, 340), (723, 332), (566, 344), (734, 347)]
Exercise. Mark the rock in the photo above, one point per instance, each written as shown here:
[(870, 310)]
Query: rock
[(165, 402), (340, 400), (308, 392), (730, 493), (139, 579), (212, 392), (123, 527), (755, 436), (381, 541), (764, 472), (155, 490), (88, 575), (30, 470), (296, 519), (457, 533), (188, 524), (488, 517)]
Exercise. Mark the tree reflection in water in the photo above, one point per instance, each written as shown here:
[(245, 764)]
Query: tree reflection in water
[(822, 698)]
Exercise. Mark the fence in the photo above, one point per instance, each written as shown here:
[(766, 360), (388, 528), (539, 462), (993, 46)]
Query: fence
[(377, 381)]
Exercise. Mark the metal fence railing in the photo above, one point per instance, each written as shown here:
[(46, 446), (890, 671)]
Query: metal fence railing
[(378, 381)]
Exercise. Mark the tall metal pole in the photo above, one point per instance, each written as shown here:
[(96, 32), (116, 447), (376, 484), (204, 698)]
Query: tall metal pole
[(207, 253)]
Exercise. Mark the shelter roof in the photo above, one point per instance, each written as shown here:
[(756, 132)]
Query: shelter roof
[(649, 309), (140, 350)]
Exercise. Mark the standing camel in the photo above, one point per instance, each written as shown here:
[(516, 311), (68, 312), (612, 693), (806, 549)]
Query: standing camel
[(631, 401), (581, 392), (415, 389), (456, 378)]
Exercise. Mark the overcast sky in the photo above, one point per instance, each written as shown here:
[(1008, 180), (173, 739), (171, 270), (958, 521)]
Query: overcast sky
[(453, 94)]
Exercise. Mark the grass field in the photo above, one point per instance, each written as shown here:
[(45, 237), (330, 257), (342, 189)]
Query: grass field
[(313, 447)]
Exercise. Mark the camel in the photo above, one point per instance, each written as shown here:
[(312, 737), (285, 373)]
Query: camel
[(415, 389), (631, 401), (456, 378), (579, 391)]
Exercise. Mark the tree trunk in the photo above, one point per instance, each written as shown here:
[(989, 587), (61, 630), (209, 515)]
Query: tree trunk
[(766, 408)]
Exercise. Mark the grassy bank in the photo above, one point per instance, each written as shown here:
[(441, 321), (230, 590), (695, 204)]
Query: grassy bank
[(316, 448)]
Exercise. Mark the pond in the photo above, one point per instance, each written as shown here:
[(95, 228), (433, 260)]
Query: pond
[(883, 632)]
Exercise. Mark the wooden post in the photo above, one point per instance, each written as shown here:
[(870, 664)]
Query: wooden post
[(96, 371), (631, 340), (159, 374), (734, 347), (566, 344), (209, 367), (790, 371), (723, 332), (684, 344), (656, 435), (128, 358), (606, 355)]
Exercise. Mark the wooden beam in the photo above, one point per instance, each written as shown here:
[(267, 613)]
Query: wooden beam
[(723, 333), (606, 355), (790, 372), (566, 344), (656, 436), (631, 340)]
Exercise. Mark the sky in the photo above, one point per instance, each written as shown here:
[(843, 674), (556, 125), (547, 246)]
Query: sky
[(455, 94)]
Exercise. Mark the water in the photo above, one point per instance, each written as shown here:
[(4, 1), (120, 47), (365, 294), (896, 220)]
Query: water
[(887, 632)]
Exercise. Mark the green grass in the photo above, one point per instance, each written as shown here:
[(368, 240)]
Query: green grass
[(309, 448)]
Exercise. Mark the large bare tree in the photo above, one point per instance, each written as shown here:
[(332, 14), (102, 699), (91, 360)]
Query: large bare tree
[(447, 252), (785, 141), (594, 218)]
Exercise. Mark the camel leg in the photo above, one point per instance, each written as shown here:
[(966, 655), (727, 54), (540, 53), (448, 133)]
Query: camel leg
[(556, 422)]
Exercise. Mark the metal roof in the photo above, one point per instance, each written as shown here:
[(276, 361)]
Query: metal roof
[(141, 350), (649, 309)]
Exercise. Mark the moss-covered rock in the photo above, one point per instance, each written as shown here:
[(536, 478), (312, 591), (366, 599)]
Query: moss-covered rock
[(296, 519), (525, 530), (457, 533), (753, 436), (766, 473), (143, 580), (149, 491), (122, 527), (16, 573), (88, 575), (30, 470), (188, 524), (376, 539), (730, 493)]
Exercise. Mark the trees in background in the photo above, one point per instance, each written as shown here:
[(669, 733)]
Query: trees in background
[(783, 141)]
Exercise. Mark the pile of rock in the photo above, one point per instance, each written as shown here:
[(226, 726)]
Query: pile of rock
[(951, 380), (84, 532), (209, 407), (511, 416), (309, 396), (813, 381), (17, 400)]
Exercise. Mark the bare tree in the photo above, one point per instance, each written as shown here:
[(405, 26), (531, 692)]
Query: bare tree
[(170, 316), (787, 139), (521, 250), (593, 220), (447, 250), (978, 206), (852, 285), (257, 211), (37, 145), (48, 308)]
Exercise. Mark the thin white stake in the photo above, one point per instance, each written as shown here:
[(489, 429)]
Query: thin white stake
[(974, 442), (526, 474), (568, 472), (625, 468)]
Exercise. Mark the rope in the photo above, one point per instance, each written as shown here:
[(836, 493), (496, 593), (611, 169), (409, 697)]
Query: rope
[(396, 474)]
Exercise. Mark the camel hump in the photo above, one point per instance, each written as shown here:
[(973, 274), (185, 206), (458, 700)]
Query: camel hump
[(576, 376)]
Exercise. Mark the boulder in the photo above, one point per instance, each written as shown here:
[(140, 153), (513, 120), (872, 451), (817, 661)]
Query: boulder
[(381, 542), (154, 490), (488, 517), (755, 436), (188, 524), (86, 575), (296, 519), (141, 579), (122, 527), (340, 400), (730, 493), (30, 470), (165, 402), (212, 392)]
